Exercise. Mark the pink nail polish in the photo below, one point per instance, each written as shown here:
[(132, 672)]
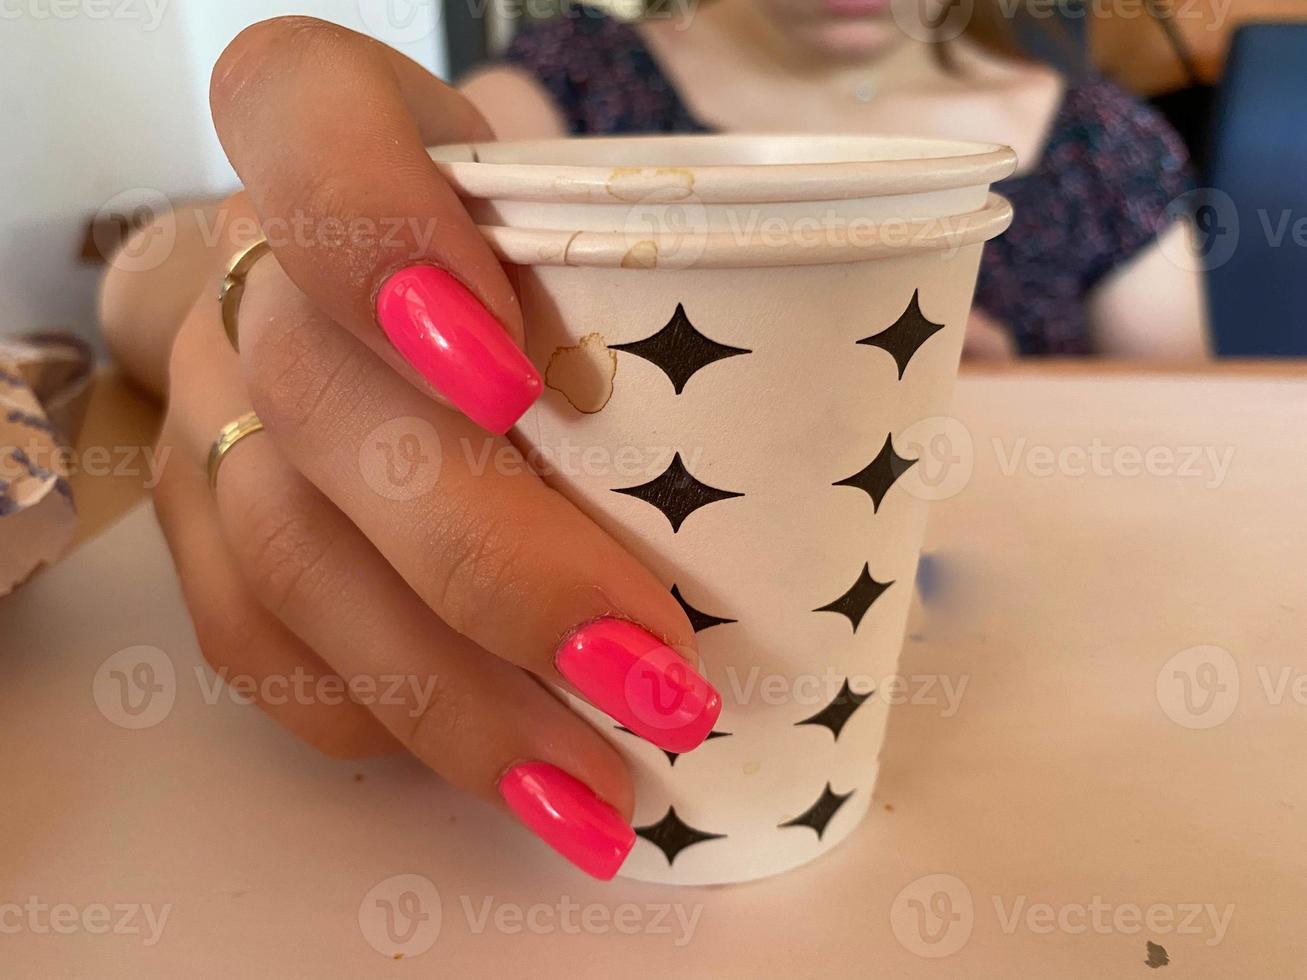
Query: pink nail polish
[(567, 816), (440, 328), (640, 681)]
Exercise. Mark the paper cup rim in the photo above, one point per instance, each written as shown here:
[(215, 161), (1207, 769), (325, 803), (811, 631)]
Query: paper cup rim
[(722, 168), (819, 244)]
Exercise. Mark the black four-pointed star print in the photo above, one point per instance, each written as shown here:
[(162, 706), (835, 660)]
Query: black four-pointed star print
[(673, 756), (879, 475), (672, 835), (676, 493), (904, 337), (700, 621), (855, 603), (820, 813), (679, 350), (836, 714)]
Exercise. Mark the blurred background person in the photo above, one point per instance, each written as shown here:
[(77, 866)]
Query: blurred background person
[(1084, 268)]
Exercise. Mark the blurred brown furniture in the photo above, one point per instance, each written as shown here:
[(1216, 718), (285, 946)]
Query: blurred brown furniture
[(1132, 49)]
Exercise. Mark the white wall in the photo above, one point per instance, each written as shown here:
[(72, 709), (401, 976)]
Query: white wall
[(102, 97)]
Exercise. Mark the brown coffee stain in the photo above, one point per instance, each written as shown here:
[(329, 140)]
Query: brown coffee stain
[(583, 374), (631, 184), (641, 255), (1157, 955)]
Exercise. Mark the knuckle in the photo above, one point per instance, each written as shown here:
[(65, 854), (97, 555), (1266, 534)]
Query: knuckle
[(439, 723), (286, 561), (481, 563), (301, 386)]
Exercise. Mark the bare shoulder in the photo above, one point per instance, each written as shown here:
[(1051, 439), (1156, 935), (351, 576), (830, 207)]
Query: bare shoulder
[(513, 102)]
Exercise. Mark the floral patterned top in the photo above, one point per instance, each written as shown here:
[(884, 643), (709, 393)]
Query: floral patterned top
[(1099, 194)]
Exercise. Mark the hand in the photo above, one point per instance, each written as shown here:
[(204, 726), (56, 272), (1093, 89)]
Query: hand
[(452, 589)]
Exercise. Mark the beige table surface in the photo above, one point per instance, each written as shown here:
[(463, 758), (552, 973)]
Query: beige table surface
[(1094, 788)]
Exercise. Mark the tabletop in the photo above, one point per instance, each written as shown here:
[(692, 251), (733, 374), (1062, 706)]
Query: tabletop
[(1090, 770)]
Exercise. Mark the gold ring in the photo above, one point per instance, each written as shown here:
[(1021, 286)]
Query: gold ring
[(233, 285), (230, 434)]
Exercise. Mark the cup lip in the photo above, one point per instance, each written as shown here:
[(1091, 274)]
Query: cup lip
[(492, 170), (836, 244)]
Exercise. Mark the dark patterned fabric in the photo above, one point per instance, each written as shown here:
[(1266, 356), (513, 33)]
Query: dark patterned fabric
[(1098, 195)]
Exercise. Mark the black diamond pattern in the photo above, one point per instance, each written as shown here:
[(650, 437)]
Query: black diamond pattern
[(879, 475), (902, 339), (679, 350), (699, 620), (855, 603), (673, 756), (836, 714), (672, 835), (820, 813), (676, 493)]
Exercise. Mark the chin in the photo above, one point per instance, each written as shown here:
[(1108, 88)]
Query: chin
[(855, 40)]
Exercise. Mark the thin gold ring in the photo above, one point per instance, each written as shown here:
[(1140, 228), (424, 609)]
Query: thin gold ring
[(230, 434), (233, 285)]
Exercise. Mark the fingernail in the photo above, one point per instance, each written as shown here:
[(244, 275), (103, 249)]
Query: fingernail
[(440, 328), (564, 813), (641, 682)]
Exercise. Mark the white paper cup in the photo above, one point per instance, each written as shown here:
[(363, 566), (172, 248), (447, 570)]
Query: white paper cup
[(774, 299)]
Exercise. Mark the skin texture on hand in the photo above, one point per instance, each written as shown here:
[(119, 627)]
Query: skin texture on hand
[(300, 563)]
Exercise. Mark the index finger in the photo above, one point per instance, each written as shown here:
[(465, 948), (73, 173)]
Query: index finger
[(328, 131)]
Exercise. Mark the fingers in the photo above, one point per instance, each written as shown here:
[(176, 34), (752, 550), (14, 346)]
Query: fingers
[(482, 723), (141, 307), (242, 640), (321, 124), (239, 638), (498, 555)]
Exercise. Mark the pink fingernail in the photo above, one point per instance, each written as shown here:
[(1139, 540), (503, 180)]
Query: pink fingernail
[(640, 681), (566, 815), (440, 328)]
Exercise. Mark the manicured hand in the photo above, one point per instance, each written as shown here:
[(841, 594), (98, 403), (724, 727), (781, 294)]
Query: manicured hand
[(382, 527)]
